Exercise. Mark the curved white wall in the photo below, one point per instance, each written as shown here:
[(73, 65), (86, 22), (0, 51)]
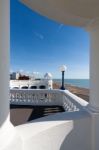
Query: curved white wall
[(63, 131)]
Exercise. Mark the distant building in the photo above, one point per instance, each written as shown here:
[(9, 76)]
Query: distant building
[(23, 77), (14, 76)]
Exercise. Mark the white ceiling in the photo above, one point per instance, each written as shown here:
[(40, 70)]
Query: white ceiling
[(72, 12)]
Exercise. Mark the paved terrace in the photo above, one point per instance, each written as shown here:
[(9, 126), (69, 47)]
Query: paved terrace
[(20, 114)]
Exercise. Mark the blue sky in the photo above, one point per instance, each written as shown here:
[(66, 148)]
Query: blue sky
[(39, 44)]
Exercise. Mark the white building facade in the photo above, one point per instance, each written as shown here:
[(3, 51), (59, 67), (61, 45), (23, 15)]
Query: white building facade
[(31, 84)]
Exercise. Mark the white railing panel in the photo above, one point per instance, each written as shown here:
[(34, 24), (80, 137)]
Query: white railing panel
[(66, 99), (35, 97)]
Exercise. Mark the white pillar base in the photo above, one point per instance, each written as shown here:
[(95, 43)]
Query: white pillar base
[(9, 139), (92, 109)]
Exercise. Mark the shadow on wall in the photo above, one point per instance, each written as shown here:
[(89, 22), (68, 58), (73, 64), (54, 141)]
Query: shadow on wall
[(42, 87), (80, 137), (24, 87), (33, 87)]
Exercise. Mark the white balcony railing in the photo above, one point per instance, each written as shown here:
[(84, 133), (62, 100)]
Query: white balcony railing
[(67, 100)]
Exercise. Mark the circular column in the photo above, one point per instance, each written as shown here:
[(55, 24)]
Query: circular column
[(8, 136), (94, 65)]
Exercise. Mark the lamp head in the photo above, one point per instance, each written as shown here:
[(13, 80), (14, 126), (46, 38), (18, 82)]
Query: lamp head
[(63, 68)]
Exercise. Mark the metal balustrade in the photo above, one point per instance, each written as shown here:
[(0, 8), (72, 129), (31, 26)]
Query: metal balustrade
[(45, 97)]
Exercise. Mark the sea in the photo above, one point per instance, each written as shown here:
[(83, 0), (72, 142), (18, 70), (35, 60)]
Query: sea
[(84, 83)]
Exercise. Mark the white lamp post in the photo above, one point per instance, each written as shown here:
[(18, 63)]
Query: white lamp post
[(62, 69)]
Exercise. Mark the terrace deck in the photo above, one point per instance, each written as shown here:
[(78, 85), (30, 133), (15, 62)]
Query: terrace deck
[(20, 114)]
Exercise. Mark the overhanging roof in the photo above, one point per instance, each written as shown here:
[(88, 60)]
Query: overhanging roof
[(72, 12)]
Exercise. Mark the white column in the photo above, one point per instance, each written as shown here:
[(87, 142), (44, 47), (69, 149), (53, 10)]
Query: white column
[(9, 139), (4, 59), (94, 82), (94, 66)]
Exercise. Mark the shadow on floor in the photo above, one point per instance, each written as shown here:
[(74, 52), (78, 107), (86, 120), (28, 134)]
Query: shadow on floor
[(20, 114)]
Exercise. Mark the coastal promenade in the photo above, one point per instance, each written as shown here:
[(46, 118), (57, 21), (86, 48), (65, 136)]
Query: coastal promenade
[(79, 91)]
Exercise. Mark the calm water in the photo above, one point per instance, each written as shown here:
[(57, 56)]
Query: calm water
[(76, 82)]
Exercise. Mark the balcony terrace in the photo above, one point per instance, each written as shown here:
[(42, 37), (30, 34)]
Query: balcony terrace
[(33, 104), (77, 128), (59, 107)]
